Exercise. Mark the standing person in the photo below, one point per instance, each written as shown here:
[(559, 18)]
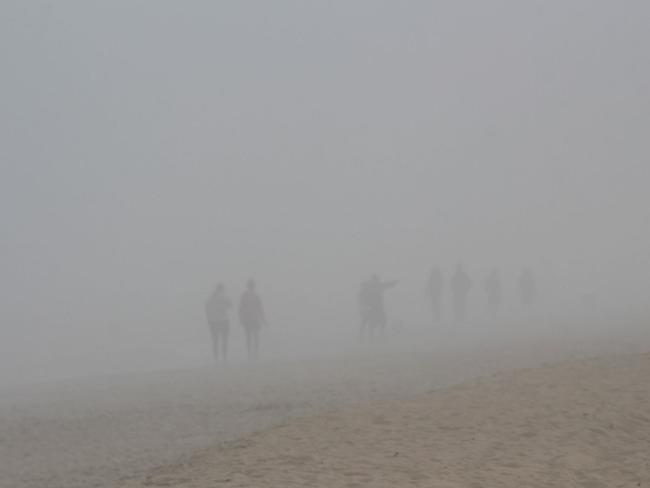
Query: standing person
[(251, 316), (375, 303), (460, 286), (493, 291), (216, 311), (435, 287), (527, 288), (364, 300)]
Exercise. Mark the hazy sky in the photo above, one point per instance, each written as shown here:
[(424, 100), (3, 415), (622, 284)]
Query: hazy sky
[(149, 149)]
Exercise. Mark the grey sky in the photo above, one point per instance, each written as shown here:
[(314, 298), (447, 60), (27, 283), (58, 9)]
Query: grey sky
[(151, 148)]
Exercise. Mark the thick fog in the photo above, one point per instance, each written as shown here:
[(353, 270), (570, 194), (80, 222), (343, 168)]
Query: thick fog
[(150, 150)]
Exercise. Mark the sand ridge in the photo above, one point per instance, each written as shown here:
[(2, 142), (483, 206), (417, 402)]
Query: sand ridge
[(584, 423)]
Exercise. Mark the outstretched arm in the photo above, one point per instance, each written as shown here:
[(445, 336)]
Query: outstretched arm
[(389, 284)]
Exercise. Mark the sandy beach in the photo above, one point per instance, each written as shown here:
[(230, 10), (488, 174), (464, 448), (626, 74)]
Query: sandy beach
[(582, 424), (324, 244), (116, 431)]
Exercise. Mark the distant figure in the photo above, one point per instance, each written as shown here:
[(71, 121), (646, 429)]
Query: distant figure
[(460, 286), (527, 288), (493, 291), (216, 311), (371, 304), (435, 287), (251, 316), (364, 303)]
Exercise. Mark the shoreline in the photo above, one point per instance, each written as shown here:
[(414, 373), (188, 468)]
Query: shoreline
[(97, 431), (577, 423)]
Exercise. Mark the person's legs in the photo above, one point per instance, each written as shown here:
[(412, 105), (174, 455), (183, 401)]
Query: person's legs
[(382, 322), (214, 333), (249, 342), (225, 332), (370, 328), (435, 305), (363, 326), (373, 324), (462, 308), (256, 342), (458, 309)]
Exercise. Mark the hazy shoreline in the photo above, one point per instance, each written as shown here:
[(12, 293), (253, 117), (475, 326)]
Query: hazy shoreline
[(467, 180), (578, 423), (97, 431)]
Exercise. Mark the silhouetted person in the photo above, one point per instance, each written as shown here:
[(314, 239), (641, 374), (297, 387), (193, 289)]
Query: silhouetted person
[(251, 316), (216, 311), (373, 303), (364, 303), (493, 291), (435, 287), (527, 288), (460, 286)]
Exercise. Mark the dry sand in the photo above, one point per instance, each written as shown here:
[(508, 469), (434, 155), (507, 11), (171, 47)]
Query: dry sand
[(104, 432), (583, 424)]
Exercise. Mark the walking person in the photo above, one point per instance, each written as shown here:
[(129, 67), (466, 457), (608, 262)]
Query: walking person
[(377, 319), (460, 287), (435, 287), (493, 291), (364, 303), (217, 309), (252, 318)]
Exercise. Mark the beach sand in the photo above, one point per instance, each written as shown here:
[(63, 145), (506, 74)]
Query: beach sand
[(349, 420), (583, 423)]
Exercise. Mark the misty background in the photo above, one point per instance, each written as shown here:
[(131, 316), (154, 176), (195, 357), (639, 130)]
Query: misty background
[(150, 149)]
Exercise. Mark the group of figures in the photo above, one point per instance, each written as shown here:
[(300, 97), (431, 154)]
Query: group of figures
[(371, 296), (251, 317), (373, 318), (460, 286)]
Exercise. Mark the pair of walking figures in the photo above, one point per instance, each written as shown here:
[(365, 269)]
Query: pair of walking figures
[(251, 317)]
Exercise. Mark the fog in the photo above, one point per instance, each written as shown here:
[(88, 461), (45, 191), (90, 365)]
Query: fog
[(150, 150)]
